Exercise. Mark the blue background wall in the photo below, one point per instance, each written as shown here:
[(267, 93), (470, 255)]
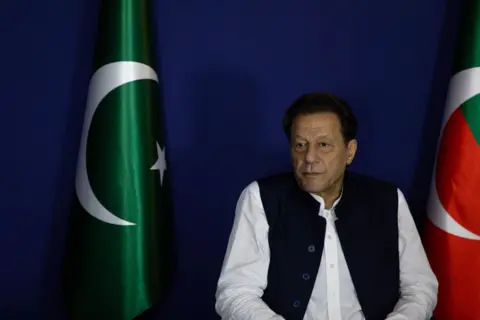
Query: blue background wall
[(229, 68)]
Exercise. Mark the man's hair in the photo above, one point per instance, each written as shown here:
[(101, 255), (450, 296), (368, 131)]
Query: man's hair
[(312, 103)]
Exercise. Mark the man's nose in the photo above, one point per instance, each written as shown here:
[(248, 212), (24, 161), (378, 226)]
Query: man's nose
[(310, 155)]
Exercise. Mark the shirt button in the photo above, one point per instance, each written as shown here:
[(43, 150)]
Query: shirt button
[(332, 265), (329, 237), (305, 276), (296, 304), (327, 214), (311, 248)]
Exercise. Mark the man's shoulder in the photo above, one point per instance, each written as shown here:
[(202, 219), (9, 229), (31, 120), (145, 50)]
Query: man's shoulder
[(374, 194), (281, 177), (278, 181), (272, 184), (369, 183)]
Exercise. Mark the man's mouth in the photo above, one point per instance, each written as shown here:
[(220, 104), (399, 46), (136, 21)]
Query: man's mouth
[(311, 174)]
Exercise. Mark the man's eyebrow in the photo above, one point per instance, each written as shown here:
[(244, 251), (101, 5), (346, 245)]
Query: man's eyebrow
[(299, 137), (323, 136)]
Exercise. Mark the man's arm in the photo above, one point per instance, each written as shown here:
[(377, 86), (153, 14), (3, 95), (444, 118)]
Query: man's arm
[(245, 267), (418, 284)]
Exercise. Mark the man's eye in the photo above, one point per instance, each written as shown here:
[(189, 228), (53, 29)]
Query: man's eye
[(299, 145), (325, 145)]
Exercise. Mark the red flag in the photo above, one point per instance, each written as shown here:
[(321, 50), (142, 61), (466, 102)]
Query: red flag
[(452, 234)]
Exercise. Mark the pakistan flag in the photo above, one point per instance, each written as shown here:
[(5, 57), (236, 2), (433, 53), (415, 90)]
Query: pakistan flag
[(118, 255)]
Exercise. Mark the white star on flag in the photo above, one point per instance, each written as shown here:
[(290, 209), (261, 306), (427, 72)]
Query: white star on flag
[(161, 164)]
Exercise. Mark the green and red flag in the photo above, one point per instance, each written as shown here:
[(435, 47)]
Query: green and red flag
[(452, 234), (119, 245)]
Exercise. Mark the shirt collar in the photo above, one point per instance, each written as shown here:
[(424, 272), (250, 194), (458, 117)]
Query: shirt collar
[(322, 202)]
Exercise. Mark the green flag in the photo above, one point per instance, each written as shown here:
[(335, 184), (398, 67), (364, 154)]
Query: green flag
[(118, 254)]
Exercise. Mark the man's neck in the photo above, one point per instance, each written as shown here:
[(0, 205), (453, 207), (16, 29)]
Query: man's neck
[(330, 195)]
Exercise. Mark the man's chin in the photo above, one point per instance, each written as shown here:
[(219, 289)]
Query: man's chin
[(312, 187)]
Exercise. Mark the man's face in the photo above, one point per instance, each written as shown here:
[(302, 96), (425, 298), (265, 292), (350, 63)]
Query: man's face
[(319, 153)]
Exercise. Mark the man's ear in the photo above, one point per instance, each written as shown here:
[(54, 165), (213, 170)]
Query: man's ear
[(351, 150)]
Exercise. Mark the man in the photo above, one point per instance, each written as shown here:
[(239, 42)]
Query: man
[(324, 242)]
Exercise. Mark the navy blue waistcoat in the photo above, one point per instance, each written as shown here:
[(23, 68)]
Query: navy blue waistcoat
[(368, 232)]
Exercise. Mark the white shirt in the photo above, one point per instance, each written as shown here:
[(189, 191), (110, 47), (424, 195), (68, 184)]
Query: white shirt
[(244, 272)]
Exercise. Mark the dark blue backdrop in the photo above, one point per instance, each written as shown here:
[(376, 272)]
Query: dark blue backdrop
[(229, 70)]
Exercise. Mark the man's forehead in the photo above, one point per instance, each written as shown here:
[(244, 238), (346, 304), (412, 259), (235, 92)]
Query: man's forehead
[(325, 117), (318, 122)]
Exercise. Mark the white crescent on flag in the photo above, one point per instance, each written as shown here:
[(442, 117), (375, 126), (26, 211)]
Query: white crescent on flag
[(104, 80)]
